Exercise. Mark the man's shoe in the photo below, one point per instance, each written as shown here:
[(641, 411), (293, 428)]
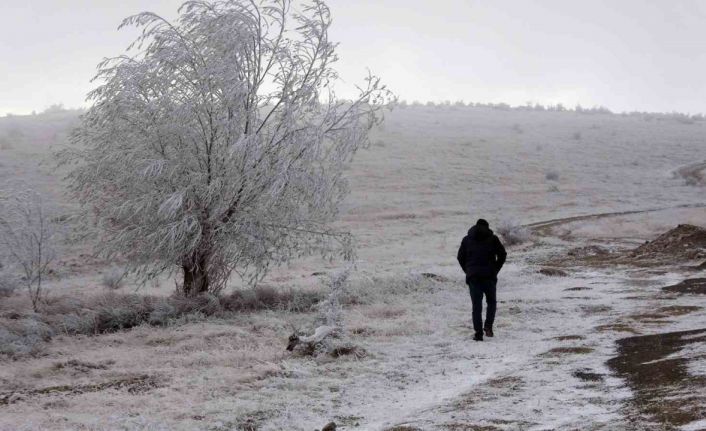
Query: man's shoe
[(478, 336), (488, 332)]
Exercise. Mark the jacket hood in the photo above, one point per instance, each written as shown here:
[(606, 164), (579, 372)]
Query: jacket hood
[(479, 232)]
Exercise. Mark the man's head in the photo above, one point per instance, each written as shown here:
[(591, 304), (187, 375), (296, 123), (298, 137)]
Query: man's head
[(482, 222)]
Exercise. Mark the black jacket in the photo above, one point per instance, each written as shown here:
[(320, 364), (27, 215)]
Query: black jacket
[(481, 253)]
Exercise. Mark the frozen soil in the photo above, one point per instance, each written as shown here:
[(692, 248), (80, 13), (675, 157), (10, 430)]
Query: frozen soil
[(560, 360), (656, 367)]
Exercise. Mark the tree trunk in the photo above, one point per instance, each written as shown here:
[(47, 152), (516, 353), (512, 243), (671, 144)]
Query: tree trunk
[(195, 275)]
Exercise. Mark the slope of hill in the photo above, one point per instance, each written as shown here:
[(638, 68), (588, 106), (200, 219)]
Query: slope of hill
[(596, 182)]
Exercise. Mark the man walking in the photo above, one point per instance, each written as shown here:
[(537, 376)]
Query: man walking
[(481, 256)]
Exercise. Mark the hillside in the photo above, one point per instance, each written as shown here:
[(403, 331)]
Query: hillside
[(577, 311)]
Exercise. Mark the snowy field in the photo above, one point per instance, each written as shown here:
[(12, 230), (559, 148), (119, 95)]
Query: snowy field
[(429, 174)]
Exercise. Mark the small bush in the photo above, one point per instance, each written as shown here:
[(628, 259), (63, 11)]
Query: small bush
[(23, 337), (269, 298), (207, 304), (330, 309), (552, 176), (577, 136), (513, 233), (9, 284), (25, 334), (113, 278), (74, 324), (302, 300), (162, 314), (5, 143)]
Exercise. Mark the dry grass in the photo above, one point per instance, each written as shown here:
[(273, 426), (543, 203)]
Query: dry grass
[(616, 327), (458, 426), (385, 312), (9, 284), (566, 351), (587, 376), (678, 310), (113, 278), (593, 309), (132, 384), (569, 337), (25, 333)]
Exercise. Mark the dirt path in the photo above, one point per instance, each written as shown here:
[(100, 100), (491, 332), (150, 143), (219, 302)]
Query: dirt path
[(573, 383), (544, 227)]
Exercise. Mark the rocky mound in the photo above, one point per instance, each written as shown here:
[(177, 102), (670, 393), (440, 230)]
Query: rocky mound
[(680, 246), (696, 286), (684, 242)]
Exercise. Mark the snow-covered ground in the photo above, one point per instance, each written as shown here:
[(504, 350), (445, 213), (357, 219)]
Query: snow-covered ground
[(429, 174)]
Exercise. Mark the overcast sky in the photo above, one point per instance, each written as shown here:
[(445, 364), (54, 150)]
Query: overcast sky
[(623, 54)]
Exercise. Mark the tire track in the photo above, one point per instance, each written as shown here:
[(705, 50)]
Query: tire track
[(544, 227)]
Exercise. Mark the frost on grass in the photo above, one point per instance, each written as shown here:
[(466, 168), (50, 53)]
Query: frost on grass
[(23, 334), (26, 334), (9, 283), (27, 238), (113, 278)]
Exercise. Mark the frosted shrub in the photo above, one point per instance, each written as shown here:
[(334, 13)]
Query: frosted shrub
[(23, 337), (5, 143), (13, 345), (269, 298), (162, 313), (302, 301), (9, 283), (220, 146), (111, 319), (329, 338), (113, 312), (513, 233), (27, 238), (113, 278), (73, 323), (331, 310)]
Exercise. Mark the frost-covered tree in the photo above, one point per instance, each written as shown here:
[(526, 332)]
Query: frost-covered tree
[(220, 145), (27, 238)]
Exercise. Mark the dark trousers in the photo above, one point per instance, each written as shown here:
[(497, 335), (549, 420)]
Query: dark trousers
[(479, 287)]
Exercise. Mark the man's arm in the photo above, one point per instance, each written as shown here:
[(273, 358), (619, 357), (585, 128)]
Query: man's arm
[(500, 255), (461, 256)]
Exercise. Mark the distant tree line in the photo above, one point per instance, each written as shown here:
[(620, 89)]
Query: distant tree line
[(679, 116)]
